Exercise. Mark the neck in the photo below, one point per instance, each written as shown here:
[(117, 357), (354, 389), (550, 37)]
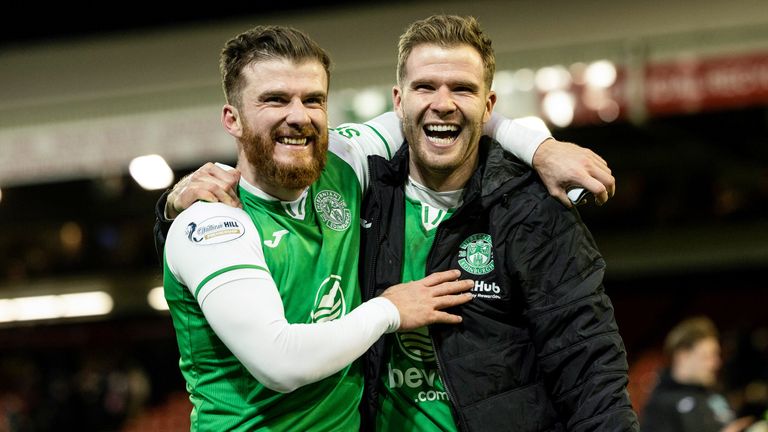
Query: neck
[(251, 176), (443, 180), (678, 376)]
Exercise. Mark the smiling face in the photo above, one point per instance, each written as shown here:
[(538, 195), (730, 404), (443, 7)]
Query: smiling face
[(443, 103), (281, 125)]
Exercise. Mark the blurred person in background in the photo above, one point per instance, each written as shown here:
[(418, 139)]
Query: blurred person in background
[(685, 400)]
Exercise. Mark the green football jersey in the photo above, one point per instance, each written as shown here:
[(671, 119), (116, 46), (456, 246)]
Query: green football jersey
[(414, 397), (310, 248)]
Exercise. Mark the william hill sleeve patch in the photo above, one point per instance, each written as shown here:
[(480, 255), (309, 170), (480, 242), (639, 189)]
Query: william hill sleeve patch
[(217, 229)]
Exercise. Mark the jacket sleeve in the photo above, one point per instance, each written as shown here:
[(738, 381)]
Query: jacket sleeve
[(571, 320), (162, 225)]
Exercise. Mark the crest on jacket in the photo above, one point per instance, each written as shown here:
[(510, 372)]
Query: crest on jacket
[(476, 254)]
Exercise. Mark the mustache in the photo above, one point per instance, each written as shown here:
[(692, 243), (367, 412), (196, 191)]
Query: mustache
[(309, 131)]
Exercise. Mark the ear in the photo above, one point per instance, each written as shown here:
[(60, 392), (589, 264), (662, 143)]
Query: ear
[(397, 101), (490, 102), (230, 119)]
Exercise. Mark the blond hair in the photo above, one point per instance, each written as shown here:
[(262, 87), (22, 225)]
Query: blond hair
[(446, 31)]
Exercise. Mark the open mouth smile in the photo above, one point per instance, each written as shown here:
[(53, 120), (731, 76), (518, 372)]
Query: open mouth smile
[(294, 141), (441, 133)]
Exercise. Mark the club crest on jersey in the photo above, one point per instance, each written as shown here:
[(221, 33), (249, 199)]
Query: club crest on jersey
[(476, 254), (329, 301), (416, 344), (333, 210), (218, 229)]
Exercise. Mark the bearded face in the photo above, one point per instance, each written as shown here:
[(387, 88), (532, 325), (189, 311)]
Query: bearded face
[(296, 168), (284, 133)]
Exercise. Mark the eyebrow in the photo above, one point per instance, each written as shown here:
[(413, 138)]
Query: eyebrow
[(318, 94), (458, 83), (468, 84), (281, 94), (271, 94)]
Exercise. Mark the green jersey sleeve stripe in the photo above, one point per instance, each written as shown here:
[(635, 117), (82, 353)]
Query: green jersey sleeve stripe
[(224, 270), (386, 144)]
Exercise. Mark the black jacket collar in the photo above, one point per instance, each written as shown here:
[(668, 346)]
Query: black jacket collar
[(499, 172)]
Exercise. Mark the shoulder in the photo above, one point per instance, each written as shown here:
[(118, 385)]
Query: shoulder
[(209, 239), (539, 207), (538, 221), (211, 223)]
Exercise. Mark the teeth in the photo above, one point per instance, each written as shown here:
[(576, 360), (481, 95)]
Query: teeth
[(292, 141), (442, 128), (440, 141)]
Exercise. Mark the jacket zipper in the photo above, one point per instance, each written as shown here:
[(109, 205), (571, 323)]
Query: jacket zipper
[(370, 291), (460, 423), (369, 288)]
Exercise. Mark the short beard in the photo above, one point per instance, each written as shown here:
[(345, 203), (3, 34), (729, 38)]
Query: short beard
[(259, 150)]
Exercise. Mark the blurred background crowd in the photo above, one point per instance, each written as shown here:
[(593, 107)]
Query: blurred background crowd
[(98, 116)]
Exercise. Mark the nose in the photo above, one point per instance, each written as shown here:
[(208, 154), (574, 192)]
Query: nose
[(443, 102), (297, 114)]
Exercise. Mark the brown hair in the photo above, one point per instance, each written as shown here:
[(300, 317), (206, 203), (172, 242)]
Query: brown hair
[(689, 332), (265, 43), (446, 31)]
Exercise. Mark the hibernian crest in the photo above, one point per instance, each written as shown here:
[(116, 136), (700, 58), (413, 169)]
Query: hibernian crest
[(333, 210), (476, 254)]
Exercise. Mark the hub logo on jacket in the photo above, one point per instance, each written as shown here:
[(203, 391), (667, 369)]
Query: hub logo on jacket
[(476, 254)]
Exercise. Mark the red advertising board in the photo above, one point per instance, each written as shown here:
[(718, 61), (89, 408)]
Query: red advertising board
[(691, 85)]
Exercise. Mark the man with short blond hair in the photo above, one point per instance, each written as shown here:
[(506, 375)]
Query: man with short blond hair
[(538, 348)]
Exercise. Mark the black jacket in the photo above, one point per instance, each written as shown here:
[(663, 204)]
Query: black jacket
[(676, 407), (539, 348), (162, 225)]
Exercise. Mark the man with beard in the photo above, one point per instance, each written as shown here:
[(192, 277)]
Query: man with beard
[(271, 291), (538, 348)]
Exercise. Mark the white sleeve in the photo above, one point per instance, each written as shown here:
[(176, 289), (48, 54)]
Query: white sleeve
[(383, 136), (210, 244), (215, 251), (516, 138), (247, 315), (354, 142)]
